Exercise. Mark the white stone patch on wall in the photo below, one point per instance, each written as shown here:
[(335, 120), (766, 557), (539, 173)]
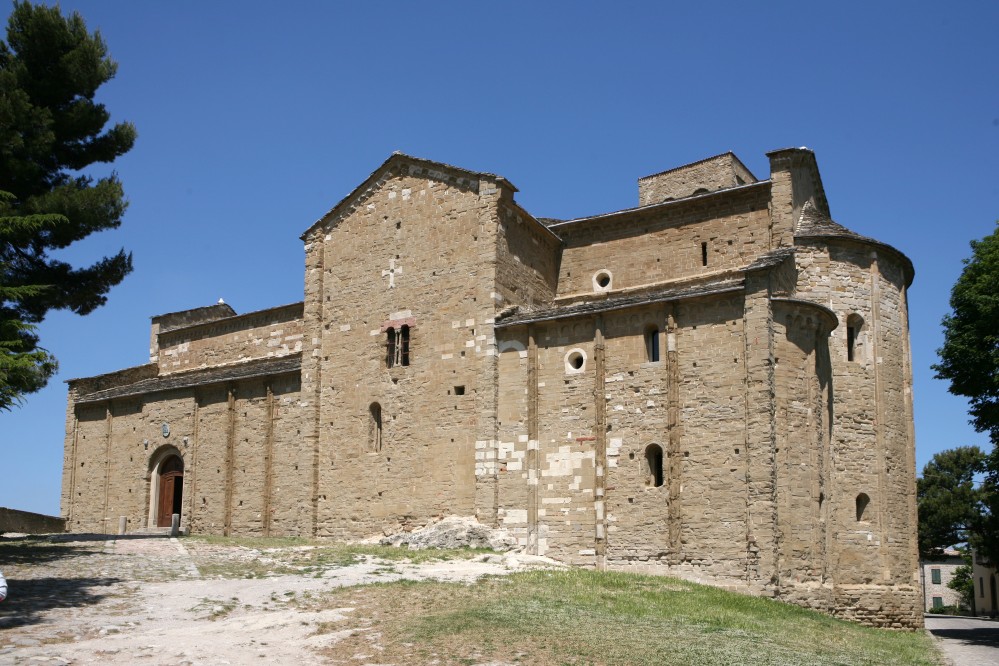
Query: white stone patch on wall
[(514, 517), (344, 328)]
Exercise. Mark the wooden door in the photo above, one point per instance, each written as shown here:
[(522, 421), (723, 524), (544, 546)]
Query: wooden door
[(165, 510), (171, 488)]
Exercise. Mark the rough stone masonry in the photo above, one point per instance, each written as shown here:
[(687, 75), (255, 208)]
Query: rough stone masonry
[(714, 385)]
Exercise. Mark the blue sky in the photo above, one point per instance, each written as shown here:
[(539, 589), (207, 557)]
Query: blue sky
[(254, 120)]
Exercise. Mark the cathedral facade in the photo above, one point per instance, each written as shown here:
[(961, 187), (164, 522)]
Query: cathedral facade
[(715, 384)]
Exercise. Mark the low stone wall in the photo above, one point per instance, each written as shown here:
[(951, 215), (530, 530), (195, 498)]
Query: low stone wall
[(25, 522)]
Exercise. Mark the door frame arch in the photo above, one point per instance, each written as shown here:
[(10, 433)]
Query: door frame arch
[(156, 460)]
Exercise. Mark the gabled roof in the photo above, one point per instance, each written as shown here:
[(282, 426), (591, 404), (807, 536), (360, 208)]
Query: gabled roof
[(393, 160), (728, 153)]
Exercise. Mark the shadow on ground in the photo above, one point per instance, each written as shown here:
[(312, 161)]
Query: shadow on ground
[(30, 598), (33, 550), (987, 636), (40, 550)]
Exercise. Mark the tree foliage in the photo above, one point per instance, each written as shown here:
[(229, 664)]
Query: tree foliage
[(969, 358), (963, 582), (51, 129), (949, 503)]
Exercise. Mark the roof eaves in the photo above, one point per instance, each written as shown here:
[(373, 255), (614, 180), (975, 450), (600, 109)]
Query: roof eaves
[(200, 377), (245, 315), (663, 204), (594, 307)]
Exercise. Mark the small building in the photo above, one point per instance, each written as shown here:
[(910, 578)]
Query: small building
[(936, 574), (984, 575)]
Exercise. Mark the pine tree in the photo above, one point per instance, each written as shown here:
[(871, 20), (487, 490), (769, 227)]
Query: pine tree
[(51, 131)]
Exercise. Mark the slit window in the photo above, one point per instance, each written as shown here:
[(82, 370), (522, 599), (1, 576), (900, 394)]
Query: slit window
[(704, 254), (652, 345), (654, 465), (375, 427)]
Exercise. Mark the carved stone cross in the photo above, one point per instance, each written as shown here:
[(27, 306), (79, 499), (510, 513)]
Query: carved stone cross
[(391, 272)]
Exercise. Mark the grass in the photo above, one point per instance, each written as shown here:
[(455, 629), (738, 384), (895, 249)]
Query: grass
[(577, 616), (260, 557)]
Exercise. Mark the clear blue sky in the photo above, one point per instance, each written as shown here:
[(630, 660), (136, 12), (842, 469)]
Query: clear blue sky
[(254, 120)]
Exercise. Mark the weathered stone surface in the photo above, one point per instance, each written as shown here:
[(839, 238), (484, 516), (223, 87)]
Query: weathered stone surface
[(715, 385), (453, 532)]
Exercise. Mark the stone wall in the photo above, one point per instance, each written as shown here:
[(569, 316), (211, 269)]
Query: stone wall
[(681, 240), (418, 249), (115, 446), (264, 334), (26, 522), (715, 173), (872, 493)]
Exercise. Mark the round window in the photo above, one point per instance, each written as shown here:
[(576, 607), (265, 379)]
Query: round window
[(602, 280), (575, 361)]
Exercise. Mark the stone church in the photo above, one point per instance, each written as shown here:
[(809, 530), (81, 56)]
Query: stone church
[(714, 384)]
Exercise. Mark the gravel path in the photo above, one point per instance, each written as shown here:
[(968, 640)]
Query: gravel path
[(79, 599)]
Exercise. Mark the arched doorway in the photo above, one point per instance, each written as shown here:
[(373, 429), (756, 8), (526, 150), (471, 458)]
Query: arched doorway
[(170, 489)]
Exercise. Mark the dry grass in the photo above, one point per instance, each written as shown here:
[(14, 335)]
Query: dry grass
[(260, 557), (551, 618)]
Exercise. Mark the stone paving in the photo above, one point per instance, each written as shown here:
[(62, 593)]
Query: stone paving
[(54, 580)]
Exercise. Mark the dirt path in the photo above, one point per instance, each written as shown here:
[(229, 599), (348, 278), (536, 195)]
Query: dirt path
[(80, 600)]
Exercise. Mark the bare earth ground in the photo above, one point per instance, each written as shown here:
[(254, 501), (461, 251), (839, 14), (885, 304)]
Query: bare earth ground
[(80, 599)]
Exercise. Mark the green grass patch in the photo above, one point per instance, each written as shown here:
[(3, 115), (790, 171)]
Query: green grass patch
[(586, 617)]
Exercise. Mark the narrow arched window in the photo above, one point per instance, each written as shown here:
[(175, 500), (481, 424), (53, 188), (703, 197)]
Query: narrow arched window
[(390, 347), (652, 345), (404, 345), (862, 503), (375, 427), (654, 465), (854, 324)]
